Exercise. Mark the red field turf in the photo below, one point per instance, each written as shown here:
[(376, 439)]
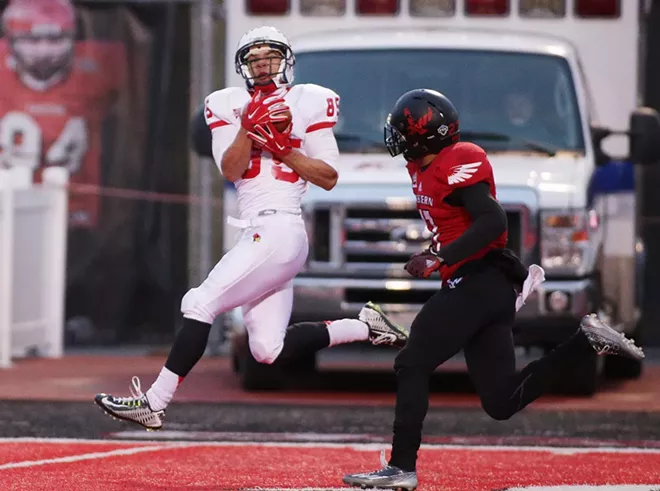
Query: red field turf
[(109, 466)]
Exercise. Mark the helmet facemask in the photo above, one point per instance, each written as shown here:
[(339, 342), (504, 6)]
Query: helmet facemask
[(268, 59), (396, 143), (394, 140)]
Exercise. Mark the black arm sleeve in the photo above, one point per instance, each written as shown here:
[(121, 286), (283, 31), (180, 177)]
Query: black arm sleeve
[(488, 222)]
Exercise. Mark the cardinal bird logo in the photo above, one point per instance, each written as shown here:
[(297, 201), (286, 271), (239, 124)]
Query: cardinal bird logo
[(417, 127), (256, 238)]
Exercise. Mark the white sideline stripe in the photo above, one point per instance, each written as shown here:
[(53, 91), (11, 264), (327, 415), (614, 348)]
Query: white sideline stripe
[(367, 447), (86, 456), (68, 441)]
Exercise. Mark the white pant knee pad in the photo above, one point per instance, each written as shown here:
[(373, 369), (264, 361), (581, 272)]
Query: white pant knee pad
[(264, 350), (191, 308)]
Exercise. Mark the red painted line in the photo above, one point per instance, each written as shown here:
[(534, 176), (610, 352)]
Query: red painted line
[(217, 467)]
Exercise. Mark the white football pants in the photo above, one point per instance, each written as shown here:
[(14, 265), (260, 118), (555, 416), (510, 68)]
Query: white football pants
[(256, 274)]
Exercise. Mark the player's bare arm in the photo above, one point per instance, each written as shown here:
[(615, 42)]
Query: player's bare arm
[(488, 222), (312, 170), (278, 142), (236, 158), (259, 110)]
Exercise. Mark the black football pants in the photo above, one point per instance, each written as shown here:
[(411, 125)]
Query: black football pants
[(476, 316)]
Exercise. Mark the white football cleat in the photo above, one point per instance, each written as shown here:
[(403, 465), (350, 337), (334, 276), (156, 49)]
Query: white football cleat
[(381, 329), (134, 409)]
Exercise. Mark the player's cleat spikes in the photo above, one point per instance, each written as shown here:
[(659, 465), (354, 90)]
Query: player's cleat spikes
[(389, 477), (381, 329), (135, 409), (606, 340)]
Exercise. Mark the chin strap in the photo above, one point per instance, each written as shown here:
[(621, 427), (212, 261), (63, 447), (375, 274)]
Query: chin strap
[(266, 89)]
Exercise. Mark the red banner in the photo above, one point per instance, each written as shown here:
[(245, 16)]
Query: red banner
[(59, 86)]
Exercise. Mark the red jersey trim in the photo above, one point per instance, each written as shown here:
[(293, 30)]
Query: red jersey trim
[(320, 126), (217, 124)]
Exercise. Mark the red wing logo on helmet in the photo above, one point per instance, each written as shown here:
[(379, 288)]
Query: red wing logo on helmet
[(417, 127)]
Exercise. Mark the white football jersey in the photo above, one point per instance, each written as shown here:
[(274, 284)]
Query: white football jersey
[(268, 183)]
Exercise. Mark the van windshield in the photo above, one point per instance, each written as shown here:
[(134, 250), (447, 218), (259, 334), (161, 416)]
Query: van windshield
[(506, 101)]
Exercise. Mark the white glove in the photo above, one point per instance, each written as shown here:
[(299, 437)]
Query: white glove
[(535, 276)]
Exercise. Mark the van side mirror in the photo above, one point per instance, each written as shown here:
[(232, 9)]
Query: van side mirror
[(598, 134), (645, 136)]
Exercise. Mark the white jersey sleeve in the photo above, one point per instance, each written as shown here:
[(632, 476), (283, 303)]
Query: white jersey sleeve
[(322, 111), (223, 122)]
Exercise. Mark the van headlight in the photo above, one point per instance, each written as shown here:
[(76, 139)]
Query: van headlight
[(568, 241)]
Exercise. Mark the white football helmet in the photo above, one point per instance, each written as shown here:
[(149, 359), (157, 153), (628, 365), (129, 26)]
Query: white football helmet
[(274, 39)]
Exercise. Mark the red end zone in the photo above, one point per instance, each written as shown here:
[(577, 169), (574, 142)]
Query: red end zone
[(119, 465)]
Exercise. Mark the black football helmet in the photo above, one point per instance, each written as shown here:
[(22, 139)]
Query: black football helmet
[(422, 122)]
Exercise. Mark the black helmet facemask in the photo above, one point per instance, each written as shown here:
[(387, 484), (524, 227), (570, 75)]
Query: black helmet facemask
[(397, 144)]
